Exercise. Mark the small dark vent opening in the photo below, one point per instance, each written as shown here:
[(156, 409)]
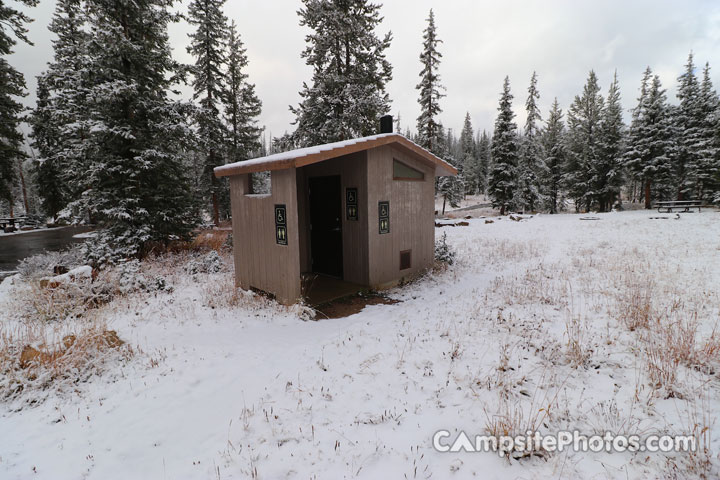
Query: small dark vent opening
[(405, 259)]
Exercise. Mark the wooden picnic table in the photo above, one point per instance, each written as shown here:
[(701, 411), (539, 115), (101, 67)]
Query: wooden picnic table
[(8, 224), (682, 205)]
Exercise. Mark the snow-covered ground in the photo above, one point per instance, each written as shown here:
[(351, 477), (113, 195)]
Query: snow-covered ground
[(529, 326), (467, 201)]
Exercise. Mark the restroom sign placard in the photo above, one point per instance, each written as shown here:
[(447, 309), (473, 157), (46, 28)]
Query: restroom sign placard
[(281, 234), (351, 204), (384, 217)]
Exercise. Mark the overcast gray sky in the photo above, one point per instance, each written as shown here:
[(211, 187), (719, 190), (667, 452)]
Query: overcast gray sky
[(483, 41)]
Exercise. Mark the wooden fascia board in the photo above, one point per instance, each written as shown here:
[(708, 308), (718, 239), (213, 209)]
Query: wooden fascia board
[(441, 167)]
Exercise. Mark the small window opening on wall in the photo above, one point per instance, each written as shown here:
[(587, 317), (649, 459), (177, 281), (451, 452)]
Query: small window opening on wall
[(405, 259), (406, 172), (259, 183)]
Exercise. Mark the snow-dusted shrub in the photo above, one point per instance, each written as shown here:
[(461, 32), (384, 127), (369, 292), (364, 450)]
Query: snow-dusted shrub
[(44, 264), (35, 363), (105, 251), (129, 277), (443, 251), (208, 263), (72, 295)]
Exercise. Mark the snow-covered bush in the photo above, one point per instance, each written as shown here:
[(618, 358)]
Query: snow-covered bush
[(209, 263), (73, 294), (443, 251), (128, 277), (44, 264)]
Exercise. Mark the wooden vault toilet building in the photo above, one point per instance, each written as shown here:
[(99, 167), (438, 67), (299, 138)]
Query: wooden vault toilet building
[(361, 211)]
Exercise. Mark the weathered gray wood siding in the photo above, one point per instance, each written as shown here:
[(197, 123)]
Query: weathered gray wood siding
[(353, 174), (412, 207), (259, 261)]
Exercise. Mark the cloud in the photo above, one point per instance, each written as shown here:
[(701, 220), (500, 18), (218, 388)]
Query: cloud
[(482, 42)]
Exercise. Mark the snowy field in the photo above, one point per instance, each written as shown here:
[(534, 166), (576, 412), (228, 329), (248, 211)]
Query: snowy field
[(551, 323)]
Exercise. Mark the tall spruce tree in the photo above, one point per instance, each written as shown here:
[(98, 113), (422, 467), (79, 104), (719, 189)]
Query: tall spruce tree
[(554, 147), (606, 181), (502, 180), (634, 135), (707, 167), (648, 154), (483, 160), (60, 119), (689, 120), (12, 86), (429, 86), (208, 47), (467, 155), (584, 144), (46, 139), (347, 94), (451, 188), (139, 191), (530, 162), (242, 103)]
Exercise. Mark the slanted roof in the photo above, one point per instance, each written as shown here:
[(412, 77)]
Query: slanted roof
[(307, 156)]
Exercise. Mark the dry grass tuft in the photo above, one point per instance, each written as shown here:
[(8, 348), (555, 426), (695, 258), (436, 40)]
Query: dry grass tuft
[(635, 304), (577, 332), (210, 240), (34, 359)]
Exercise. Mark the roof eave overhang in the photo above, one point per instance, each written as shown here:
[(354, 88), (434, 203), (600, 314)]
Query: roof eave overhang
[(442, 168)]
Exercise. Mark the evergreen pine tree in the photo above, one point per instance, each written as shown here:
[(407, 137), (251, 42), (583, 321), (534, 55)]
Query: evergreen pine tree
[(208, 47), (467, 156), (242, 103), (12, 86), (483, 161), (530, 162), (707, 168), (689, 120), (502, 180), (607, 179), (650, 143), (242, 107), (347, 96), (451, 188), (429, 86), (139, 190), (554, 147), (584, 144), (46, 139), (634, 134), (60, 119)]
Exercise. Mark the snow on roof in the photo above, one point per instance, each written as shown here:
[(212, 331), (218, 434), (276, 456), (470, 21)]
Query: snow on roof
[(318, 153)]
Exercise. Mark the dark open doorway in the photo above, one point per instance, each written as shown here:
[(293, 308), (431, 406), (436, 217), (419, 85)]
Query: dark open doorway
[(326, 225)]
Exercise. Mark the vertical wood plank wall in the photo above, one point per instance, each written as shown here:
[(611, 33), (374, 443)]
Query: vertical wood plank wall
[(259, 261), (369, 258), (353, 174), (412, 214)]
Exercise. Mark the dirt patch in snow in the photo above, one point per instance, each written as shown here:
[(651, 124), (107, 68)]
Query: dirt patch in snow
[(347, 306)]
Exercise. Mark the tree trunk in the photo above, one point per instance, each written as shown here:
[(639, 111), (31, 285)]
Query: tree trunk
[(216, 209), (647, 195), (22, 185)]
